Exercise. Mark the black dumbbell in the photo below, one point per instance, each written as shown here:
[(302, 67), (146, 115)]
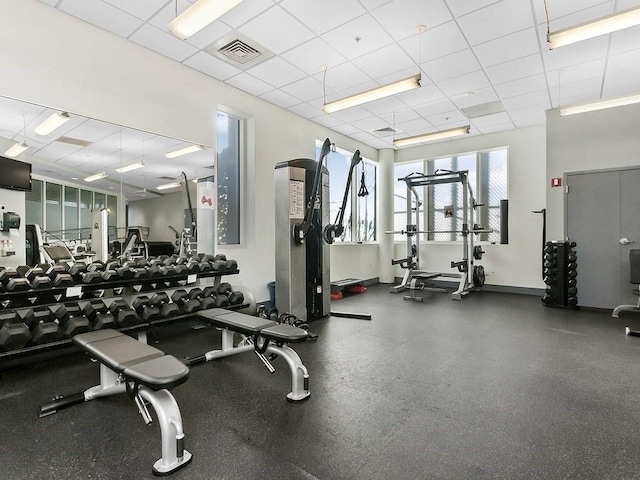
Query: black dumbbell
[(224, 288), (192, 267), (209, 291), (180, 270), (191, 306), (93, 308), (236, 298), (207, 303), (34, 315), (35, 276), (70, 318), (14, 334), (195, 292), (12, 282), (170, 310), (142, 262), (127, 317), (231, 265), (58, 275), (155, 271), (159, 298), (140, 302), (204, 267), (220, 257), (218, 265), (96, 266), (46, 332), (179, 296), (222, 301)]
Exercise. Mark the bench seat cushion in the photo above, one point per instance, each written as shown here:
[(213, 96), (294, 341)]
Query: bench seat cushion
[(236, 321), (158, 373), (285, 333)]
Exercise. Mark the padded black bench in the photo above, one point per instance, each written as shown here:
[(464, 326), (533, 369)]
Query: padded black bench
[(146, 374), (262, 336)]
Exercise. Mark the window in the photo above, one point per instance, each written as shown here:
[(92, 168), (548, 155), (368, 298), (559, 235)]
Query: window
[(53, 208), (487, 178), (229, 171), (33, 203), (360, 210)]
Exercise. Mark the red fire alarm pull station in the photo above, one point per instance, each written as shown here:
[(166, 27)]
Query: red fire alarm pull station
[(556, 182)]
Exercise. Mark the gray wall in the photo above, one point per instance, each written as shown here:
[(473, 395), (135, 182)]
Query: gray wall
[(600, 140)]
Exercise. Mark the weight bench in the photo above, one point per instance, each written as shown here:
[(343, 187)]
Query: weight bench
[(634, 278), (263, 337), (146, 374)]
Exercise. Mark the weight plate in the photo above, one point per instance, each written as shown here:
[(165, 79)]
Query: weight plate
[(478, 276)]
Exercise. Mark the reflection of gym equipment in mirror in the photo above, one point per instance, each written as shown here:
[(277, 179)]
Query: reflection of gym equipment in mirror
[(470, 275)]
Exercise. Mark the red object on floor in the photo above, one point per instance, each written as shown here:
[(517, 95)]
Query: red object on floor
[(336, 296), (356, 289)]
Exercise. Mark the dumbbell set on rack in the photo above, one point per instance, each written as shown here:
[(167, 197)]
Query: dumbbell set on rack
[(173, 269), (560, 272), (39, 325)]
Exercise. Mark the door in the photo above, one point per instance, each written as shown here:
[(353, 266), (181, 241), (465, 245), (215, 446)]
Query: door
[(602, 208)]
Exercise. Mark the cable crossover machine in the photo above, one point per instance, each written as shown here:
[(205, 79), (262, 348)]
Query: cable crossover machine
[(470, 276)]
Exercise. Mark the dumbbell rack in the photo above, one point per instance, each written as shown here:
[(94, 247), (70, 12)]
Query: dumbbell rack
[(125, 288), (559, 274)]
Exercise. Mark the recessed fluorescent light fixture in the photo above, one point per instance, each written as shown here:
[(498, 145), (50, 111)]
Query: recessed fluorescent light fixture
[(601, 105), (374, 94), (16, 149), (56, 120), (184, 151), (128, 168), (198, 16), (595, 28), (429, 137), (167, 186), (97, 176)]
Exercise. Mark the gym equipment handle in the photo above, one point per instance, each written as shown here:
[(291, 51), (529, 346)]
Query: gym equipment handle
[(626, 241)]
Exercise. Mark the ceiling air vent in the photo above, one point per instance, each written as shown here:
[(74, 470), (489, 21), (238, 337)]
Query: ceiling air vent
[(384, 132), (238, 50)]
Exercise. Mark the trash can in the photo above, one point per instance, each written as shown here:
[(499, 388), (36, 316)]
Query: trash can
[(272, 293)]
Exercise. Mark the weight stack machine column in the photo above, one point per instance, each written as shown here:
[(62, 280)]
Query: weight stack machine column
[(560, 271), (303, 285)]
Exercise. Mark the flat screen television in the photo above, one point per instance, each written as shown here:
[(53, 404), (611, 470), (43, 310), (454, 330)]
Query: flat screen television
[(15, 175)]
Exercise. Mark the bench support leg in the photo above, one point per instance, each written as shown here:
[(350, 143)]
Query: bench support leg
[(174, 455), (299, 373)]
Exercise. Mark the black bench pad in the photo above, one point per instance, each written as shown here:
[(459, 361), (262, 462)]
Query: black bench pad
[(137, 361), (236, 321), (284, 333)]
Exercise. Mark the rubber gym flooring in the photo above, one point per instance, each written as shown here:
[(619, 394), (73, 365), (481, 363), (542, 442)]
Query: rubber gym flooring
[(493, 387)]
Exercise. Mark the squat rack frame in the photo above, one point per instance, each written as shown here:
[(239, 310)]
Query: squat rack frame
[(470, 276)]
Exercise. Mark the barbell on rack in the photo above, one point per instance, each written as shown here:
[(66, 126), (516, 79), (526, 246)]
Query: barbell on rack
[(412, 232)]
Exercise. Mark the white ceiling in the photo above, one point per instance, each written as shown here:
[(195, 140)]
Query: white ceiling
[(473, 52)]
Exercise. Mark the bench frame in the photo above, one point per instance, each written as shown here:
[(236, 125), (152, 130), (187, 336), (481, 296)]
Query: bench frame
[(174, 455), (299, 373)]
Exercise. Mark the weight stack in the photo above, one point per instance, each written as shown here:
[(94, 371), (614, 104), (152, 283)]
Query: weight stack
[(560, 272)]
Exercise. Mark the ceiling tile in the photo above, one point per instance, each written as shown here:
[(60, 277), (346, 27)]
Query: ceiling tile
[(507, 48), (246, 11), (625, 40), (594, 69), (345, 76), (385, 61), (498, 127), (540, 99), (496, 20), (578, 92), (277, 72), (162, 43), (464, 83), (370, 124), (371, 37), (434, 108), (448, 119), (102, 15), (249, 84), (400, 17), (352, 114), (519, 68), (575, 53), (306, 110), (266, 29), (373, 4), (346, 129), (280, 98), (325, 15), (494, 119), (306, 89), (385, 105), (142, 10), (212, 33), (212, 66), (629, 60), (414, 127), (623, 83), (51, 3), (435, 42), (463, 7), (327, 120), (521, 86), (425, 94), (452, 65), (312, 55), (363, 136), (570, 13)]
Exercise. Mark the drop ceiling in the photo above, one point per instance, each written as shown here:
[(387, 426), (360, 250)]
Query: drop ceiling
[(486, 57)]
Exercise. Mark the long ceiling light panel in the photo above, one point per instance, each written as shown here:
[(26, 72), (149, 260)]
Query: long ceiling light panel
[(430, 137), (198, 16), (374, 94), (16, 149), (97, 176), (130, 167), (56, 120), (595, 28), (184, 151), (167, 186), (601, 105)]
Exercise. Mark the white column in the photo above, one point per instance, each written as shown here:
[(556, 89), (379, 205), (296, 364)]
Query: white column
[(385, 184)]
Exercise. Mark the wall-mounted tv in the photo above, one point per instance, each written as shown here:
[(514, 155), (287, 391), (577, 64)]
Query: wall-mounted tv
[(15, 175)]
